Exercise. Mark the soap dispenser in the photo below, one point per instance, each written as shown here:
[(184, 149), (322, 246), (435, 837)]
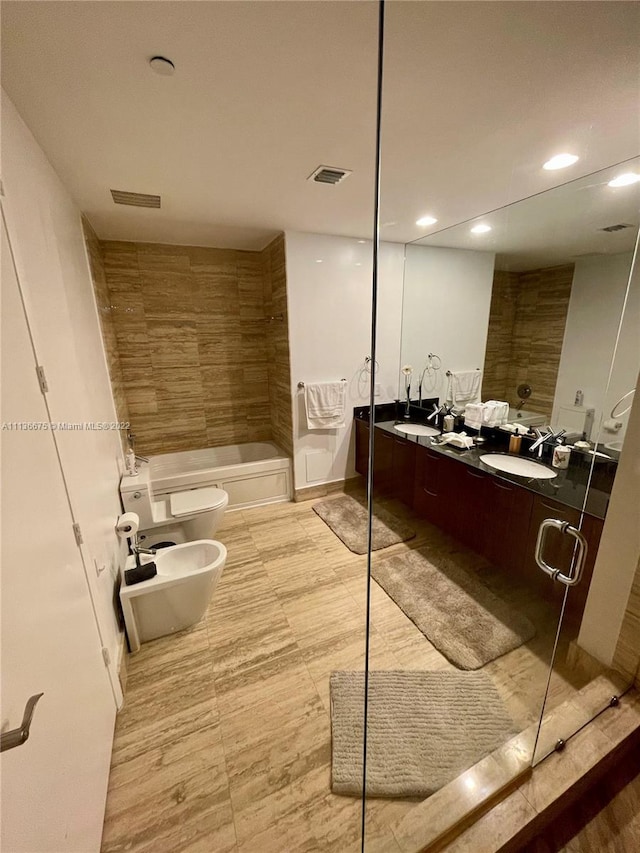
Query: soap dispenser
[(130, 462)]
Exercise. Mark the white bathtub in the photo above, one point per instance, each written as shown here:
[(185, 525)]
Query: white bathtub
[(252, 474)]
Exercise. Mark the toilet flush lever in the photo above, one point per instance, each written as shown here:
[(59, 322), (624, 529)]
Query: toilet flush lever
[(16, 737)]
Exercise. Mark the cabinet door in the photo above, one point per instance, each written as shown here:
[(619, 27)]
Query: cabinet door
[(404, 469), (507, 524), (470, 507), (433, 487), (362, 447), (383, 463)]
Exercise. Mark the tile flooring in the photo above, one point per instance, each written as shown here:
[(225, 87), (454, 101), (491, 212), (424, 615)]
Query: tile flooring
[(224, 742)]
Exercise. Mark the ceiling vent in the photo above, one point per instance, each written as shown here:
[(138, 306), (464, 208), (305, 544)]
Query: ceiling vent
[(328, 175), (619, 227), (135, 199)]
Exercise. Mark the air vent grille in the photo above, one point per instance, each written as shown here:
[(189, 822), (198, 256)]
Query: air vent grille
[(619, 227), (135, 199), (328, 175)]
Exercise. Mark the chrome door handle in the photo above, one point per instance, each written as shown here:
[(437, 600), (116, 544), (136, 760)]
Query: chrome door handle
[(16, 737), (578, 562)]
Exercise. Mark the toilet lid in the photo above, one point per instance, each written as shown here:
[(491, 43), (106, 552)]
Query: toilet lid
[(197, 500)]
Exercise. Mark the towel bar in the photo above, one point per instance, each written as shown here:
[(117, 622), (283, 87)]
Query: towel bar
[(449, 373), (301, 384)]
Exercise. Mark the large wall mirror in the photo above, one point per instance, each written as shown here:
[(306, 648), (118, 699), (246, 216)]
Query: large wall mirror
[(532, 295)]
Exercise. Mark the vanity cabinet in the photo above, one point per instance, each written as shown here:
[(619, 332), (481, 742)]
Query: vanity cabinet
[(496, 518)]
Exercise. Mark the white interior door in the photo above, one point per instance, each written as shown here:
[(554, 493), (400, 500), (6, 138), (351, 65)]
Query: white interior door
[(54, 785)]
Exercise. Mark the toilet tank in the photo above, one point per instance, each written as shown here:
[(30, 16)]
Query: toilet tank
[(136, 496)]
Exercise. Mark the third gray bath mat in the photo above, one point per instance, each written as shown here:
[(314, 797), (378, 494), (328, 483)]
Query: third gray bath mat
[(424, 729), (461, 617), (347, 518)]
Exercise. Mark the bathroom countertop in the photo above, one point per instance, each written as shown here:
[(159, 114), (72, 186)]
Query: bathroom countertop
[(568, 488)]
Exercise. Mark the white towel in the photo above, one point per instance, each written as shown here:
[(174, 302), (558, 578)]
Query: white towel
[(496, 413), (325, 404), (464, 387), (474, 415)]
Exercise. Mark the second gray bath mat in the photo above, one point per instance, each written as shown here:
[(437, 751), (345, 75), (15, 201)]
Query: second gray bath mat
[(348, 519), (462, 617), (423, 730)]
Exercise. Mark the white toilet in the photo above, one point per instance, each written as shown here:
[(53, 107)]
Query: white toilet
[(177, 517), (177, 596)]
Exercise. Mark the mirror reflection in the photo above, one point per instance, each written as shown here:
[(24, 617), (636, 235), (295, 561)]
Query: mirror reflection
[(522, 305)]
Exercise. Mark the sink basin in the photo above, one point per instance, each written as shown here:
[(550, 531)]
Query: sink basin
[(189, 558), (416, 429), (519, 466)]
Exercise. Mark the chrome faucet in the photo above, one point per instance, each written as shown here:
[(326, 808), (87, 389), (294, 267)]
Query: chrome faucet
[(408, 400), (549, 437)]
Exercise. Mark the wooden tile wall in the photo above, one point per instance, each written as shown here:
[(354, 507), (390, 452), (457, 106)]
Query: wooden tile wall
[(275, 300), (192, 339), (527, 319), (103, 301)]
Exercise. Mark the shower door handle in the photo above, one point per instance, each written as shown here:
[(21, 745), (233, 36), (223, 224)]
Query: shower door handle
[(16, 737), (579, 557)]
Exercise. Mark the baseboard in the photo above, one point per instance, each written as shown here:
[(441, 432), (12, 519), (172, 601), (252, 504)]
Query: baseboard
[(323, 489)]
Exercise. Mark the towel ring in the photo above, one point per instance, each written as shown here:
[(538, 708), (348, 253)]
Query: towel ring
[(368, 361)]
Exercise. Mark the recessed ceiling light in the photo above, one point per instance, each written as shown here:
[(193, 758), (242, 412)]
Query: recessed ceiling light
[(358, 264), (388, 224), (560, 161), (625, 180), (319, 261), (162, 65), (480, 228), (426, 220), (362, 241)]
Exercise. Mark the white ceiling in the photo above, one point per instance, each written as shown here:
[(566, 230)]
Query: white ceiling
[(476, 96), (557, 226)]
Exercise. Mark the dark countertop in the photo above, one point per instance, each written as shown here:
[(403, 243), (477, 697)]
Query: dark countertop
[(568, 488)]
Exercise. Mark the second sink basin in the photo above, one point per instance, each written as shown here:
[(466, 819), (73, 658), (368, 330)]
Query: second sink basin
[(416, 429), (518, 465)]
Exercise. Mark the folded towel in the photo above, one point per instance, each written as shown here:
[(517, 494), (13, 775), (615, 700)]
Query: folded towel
[(325, 404), (457, 439), (464, 387), (474, 415), (496, 413)]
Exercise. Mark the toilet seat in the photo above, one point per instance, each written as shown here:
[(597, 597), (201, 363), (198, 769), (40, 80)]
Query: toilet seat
[(194, 501)]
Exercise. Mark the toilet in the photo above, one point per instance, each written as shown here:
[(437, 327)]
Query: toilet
[(178, 595), (176, 517)]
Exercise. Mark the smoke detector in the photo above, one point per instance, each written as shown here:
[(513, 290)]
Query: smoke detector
[(329, 175), (135, 199)]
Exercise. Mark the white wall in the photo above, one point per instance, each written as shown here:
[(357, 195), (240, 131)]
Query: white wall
[(45, 232), (597, 297), (447, 297), (329, 283), (618, 553)]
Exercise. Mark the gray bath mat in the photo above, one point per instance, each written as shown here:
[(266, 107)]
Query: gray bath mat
[(423, 730), (347, 518), (456, 612)]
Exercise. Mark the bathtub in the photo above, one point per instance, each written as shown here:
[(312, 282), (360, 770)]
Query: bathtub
[(252, 474)]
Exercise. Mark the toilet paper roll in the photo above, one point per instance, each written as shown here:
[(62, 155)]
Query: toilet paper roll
[(611, 425), (127, 525)]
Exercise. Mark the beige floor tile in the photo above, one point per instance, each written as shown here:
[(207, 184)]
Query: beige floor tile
[(224, 743)]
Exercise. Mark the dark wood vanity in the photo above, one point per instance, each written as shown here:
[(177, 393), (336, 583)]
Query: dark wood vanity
[(488, 512)]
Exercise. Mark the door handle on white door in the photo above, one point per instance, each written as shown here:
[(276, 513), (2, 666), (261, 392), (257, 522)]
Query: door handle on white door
[(16, 737), (578, 562)]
